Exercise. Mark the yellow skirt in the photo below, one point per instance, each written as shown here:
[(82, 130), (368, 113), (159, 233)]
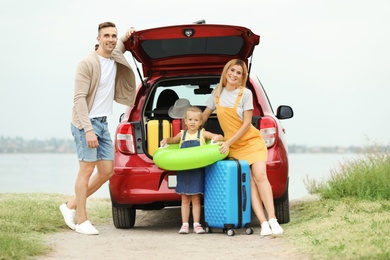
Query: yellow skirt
[(252, 150)]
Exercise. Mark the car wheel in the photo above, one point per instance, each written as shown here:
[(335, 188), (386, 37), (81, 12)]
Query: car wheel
[(282, 209), (123, 217)]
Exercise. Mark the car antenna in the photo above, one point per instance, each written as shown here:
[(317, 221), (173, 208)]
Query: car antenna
[(203, 21)]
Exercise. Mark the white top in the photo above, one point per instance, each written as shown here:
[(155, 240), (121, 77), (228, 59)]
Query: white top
[(228, 99), (103, 103)]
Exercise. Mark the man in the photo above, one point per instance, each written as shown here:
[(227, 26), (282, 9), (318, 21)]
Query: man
[(102, 77)]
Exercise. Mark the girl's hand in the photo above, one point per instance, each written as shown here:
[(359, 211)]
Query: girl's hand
[(217, 138), (163, 142)]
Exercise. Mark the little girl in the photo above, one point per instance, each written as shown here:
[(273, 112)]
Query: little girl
[(190, 183)]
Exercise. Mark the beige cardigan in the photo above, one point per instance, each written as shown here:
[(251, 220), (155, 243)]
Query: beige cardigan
[(87, 82)]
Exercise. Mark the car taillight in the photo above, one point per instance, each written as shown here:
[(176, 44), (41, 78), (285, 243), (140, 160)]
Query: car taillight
[(268, 131), (125, 138)]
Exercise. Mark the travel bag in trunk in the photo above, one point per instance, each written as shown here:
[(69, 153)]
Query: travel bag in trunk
[(156, 131), (177, 125)]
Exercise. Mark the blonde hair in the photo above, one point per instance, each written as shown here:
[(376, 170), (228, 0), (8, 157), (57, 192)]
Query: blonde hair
[(194, 109), (222, 82)]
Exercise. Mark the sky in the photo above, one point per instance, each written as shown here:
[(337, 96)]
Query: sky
[(327, 59)]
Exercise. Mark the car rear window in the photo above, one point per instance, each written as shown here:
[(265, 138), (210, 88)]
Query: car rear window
[(184, 91), (227, 45)]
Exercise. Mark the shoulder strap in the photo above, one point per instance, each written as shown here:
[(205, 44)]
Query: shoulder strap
[(239, 96), (184, 135)]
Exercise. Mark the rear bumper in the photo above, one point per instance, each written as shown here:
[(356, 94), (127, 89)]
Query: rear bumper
[(136, 186), (148, 184)]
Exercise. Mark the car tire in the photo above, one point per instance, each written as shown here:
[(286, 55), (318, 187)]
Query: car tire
[(123, 217), (282, 209)]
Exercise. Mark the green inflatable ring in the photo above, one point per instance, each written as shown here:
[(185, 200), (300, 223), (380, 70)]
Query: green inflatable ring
[(173, 158)]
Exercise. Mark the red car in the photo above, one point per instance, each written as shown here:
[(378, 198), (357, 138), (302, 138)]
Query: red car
[(185, 61)]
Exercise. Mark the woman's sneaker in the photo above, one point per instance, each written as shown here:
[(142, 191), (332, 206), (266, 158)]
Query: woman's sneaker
[(275, 227), (265, 229), (184, 229), (198, 229)]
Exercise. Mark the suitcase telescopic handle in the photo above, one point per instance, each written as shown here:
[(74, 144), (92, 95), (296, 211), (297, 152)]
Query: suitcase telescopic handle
[(244, 198)]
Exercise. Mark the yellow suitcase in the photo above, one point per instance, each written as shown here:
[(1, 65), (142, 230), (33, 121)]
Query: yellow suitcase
[(156, 131)]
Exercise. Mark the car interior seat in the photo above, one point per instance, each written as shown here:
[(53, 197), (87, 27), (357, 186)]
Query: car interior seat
[(166, 99)]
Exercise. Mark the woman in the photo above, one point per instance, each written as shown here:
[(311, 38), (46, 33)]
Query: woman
[(234, 106)]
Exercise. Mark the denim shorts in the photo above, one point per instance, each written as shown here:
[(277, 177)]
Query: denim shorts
[(105, 150)]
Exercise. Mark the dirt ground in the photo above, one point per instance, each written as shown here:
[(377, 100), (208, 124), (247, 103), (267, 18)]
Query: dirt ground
[(155, 236)]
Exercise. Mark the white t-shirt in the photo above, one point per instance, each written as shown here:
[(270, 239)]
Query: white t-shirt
[(103, 103), (228, 99)]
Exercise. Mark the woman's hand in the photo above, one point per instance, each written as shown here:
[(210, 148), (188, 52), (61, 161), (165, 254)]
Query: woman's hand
[(224, 147)]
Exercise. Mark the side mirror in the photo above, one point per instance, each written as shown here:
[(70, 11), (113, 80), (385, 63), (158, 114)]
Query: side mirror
[(284, 112)]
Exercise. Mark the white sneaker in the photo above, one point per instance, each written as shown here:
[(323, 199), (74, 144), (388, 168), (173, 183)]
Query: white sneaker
[(198, 229), (86, 228), (69, 215), (265, 229), (276, 228)]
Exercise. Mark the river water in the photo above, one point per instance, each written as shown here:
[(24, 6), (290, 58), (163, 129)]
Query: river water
[(56, 173)]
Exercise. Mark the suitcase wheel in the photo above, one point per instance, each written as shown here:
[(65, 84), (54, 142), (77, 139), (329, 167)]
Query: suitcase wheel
[(231, 232), (249, 231)]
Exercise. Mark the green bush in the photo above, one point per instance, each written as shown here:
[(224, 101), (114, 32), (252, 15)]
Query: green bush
[(365, 177)]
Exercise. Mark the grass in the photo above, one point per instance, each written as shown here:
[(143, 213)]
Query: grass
[(351, 220), (25, 219), (341, 229)]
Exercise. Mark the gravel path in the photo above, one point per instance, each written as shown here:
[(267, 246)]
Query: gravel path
[(155, 237)]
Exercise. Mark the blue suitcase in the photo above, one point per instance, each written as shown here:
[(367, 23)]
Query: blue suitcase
[(227, 203)]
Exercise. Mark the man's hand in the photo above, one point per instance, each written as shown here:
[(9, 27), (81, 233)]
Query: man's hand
[(91, 138), (121, 44), (129, 32)]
